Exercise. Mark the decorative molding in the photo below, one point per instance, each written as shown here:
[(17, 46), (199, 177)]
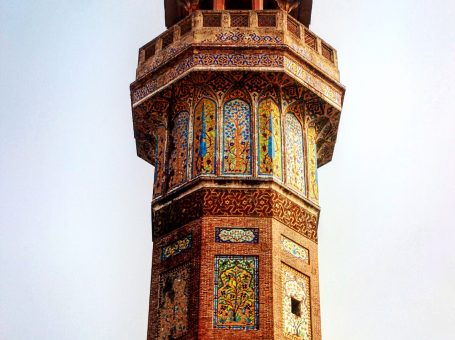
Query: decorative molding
[(232, 202), (238, 38), (327, 92), (205, 60)]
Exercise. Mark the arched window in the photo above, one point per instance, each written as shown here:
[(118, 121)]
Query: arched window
[(204, 134), (238, 4), (269, 139), (295, 162), (236, 137), (179, 155)]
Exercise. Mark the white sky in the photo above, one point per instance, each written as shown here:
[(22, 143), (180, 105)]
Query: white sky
[(75, 239)]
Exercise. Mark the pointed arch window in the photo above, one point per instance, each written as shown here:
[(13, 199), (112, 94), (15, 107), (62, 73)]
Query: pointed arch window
[(269, 139), (295, 162), (237, 137), (313, 191), (179, 156), (204, 137)]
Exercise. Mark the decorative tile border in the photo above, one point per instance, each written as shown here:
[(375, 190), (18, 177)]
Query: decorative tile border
[(295, 249), (204, 60), (176, 247), (236, 235), (236, 293)]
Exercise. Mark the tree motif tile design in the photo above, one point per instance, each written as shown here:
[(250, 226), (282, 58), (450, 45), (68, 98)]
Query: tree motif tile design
[(237, 137), (295, 164), (313, 191), (236, 292), (176, 247), (204, 143), (296, 288), (237, 235), (179, 155), (269, 149), (173, 303), (295, 249)]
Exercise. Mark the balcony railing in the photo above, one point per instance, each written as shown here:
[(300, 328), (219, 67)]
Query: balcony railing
[(194, 28)]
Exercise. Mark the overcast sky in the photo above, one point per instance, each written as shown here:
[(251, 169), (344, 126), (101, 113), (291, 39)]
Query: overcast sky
[(75, 239)]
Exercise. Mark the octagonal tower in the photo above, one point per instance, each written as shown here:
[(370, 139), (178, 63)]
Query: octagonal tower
[(236, 105)]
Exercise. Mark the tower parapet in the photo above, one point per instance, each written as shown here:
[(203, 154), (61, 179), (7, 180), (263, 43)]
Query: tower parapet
[(236, 109)]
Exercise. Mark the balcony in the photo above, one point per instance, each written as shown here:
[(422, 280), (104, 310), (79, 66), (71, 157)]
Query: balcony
[(272, 29)]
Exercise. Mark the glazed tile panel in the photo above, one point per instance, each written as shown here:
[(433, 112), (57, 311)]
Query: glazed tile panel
[(176, 247), (179, 156), (269, 150), (295, 163), (237, 235), (173, 303), (295, 249), (204, 143), (237, 137), (313, 191), (296, 286), (236, 292)]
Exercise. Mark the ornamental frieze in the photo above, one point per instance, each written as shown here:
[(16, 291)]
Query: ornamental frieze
[(235, 202)]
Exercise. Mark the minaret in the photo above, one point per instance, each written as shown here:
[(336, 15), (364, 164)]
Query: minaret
[(236, 105)]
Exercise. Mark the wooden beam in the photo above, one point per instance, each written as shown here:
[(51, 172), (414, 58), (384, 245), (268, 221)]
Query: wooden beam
[(218, 4), (258, 4)]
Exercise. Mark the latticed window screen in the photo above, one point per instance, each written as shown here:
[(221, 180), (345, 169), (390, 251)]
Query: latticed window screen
[(327, 52), (239, 20), (167, 39), (212, 20), (185, 26), (310, 40), (293, 27), (150, 51), (266, 20)]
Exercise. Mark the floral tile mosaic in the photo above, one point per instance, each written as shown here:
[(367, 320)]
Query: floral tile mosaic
[(269, 148), (236, 292), (296, 303), (176, 247), (236, 235), (295, 162), (204, 143), (295, 249), (237, 137)]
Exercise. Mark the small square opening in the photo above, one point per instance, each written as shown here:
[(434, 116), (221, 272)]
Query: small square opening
[(295, 307)]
